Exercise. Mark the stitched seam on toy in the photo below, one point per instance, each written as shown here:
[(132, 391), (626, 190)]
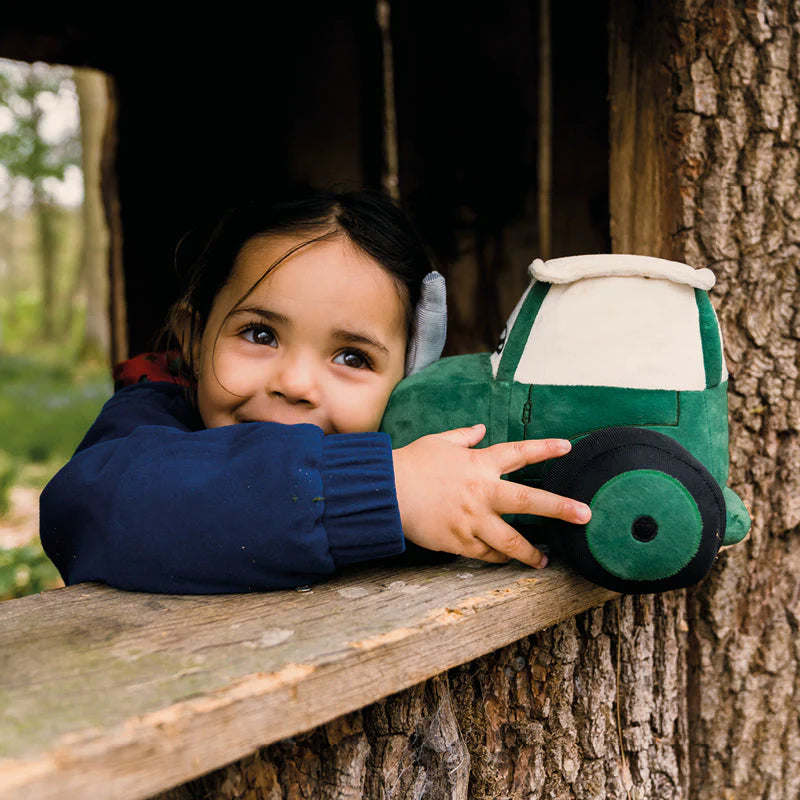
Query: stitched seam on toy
[(499, 414), (707, 425), (526, 411), (673, 422), (658, 424), (516, 340), (709, 339)]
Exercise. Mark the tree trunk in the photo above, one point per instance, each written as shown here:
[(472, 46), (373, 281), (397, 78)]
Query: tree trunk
[(8, 271), (734, 163), (689, 694), (48, 244)]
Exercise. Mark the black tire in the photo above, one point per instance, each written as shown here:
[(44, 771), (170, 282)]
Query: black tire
[(604, 455)]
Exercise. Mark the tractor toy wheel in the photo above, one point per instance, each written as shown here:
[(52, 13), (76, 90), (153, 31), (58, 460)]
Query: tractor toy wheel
[(658, 516)]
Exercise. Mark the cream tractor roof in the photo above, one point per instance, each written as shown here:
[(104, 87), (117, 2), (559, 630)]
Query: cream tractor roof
[(615, 320)]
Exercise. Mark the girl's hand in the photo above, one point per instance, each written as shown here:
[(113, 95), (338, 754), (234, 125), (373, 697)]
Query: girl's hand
[(451, 497)]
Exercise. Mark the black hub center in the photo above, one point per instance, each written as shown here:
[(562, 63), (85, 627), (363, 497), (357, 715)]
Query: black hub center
[(644, 529)]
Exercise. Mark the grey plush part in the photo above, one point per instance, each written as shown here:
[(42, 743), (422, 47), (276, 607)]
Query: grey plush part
[(429, 327)]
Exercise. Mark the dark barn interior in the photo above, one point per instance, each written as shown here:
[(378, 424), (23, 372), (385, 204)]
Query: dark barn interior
[(208, 109)]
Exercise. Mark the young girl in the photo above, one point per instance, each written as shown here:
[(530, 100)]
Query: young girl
[(264, 470)]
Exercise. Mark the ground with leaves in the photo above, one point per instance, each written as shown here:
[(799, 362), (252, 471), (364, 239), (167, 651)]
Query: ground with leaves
[(47, 403)]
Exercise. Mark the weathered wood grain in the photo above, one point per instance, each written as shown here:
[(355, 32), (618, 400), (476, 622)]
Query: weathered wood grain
[(135, 693)]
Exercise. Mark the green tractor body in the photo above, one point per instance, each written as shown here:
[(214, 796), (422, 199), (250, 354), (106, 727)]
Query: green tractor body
[(623, 356)]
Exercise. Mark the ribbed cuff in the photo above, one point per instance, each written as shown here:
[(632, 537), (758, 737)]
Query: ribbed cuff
[(361, 517)]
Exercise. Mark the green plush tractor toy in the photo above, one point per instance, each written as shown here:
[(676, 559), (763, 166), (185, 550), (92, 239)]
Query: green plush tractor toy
[(623, 356)]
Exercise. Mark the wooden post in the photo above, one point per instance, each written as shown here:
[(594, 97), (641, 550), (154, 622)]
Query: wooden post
[(390, 174), (545, 131), (108, 177), (92, 90)]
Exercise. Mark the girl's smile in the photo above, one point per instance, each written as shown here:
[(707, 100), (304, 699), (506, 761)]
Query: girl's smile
[(321, 339)]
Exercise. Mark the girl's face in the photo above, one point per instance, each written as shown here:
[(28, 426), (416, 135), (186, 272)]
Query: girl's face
[(321, 339)]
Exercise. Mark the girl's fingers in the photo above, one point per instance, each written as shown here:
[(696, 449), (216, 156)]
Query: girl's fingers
[(487, 553), (503, 539), (511, 456), (466, 437), (515, 498)]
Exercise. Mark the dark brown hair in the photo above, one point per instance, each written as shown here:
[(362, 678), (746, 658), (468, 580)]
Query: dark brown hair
[(371, 221)]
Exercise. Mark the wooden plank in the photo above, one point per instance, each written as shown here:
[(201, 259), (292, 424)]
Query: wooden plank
[(128, 694)]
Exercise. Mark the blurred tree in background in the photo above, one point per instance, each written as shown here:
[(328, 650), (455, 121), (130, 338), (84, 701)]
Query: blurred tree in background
[(54, 325), (34, 161)]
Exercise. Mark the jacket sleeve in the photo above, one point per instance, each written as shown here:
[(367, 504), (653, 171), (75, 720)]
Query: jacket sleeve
[(148, 504)]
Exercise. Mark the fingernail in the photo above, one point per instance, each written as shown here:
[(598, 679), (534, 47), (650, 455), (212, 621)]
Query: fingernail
[(583, 512), (563, 445), (479, 425), (543, 562)]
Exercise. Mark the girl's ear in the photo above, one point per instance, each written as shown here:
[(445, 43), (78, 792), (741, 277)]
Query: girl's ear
[(185, 325)]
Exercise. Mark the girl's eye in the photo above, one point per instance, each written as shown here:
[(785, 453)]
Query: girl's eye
[(354, 359), (260, 334)]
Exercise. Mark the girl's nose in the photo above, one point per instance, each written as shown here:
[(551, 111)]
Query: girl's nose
[(294, 378)]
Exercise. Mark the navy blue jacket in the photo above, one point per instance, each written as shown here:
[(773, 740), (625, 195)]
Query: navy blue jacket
[(153, 502)]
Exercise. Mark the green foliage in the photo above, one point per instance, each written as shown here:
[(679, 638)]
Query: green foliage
[(37, 147), (24, 150), (25, 570), (21, 327), (8, 474), (47, 405), (48, 397)]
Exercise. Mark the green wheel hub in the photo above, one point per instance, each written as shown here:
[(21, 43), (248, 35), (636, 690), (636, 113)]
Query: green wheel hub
[(645, 525)]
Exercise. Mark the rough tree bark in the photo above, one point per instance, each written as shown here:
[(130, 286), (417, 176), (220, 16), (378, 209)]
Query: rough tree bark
[(690, 694), (735, 136)]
